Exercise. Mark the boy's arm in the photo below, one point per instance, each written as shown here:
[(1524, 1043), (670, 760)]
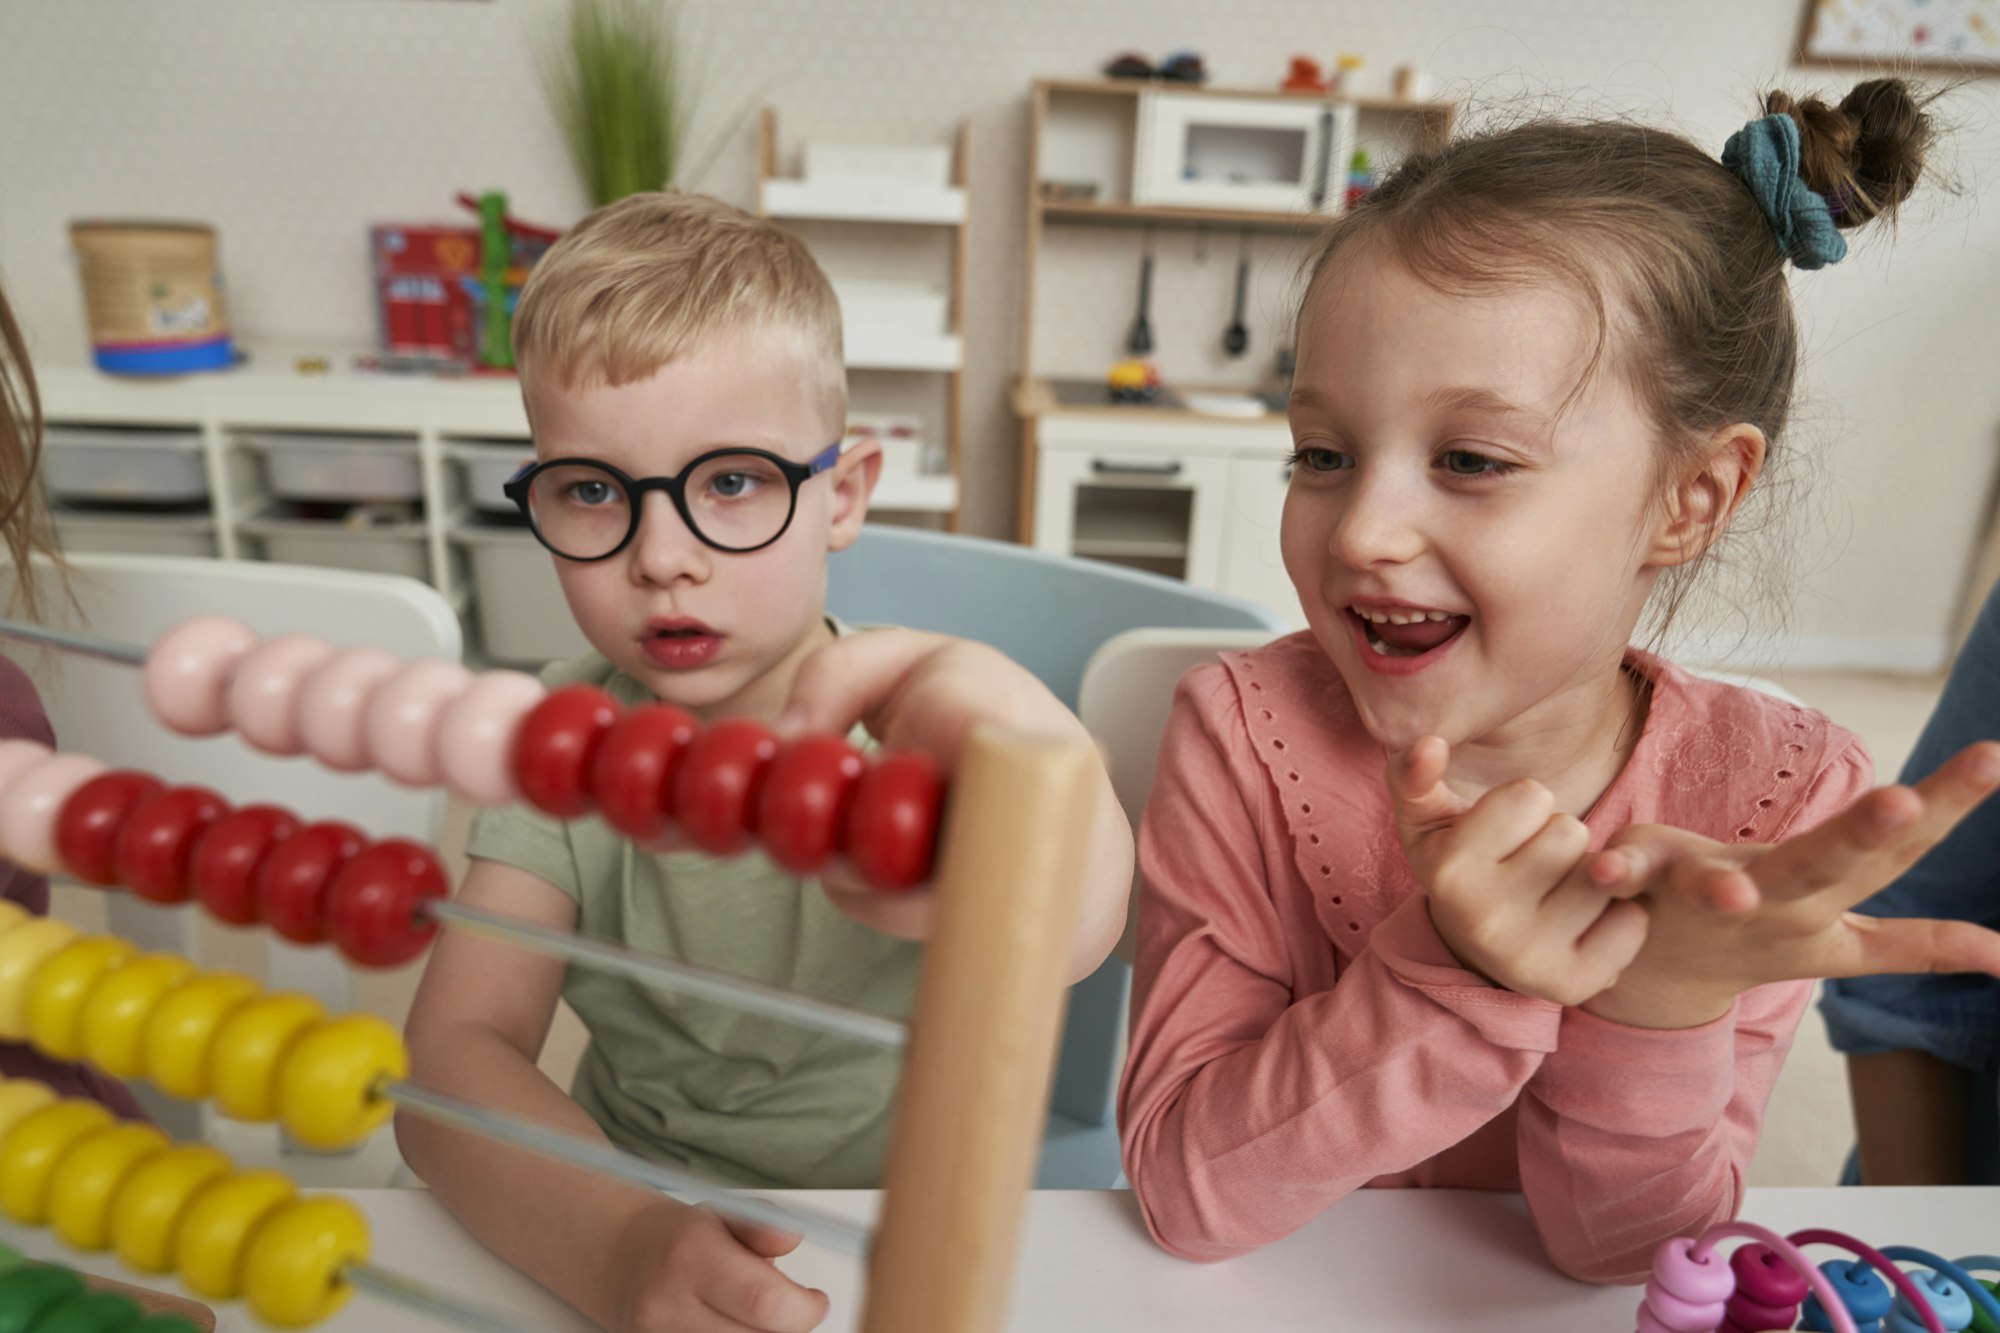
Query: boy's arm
[(928, 692), (475, 1030)]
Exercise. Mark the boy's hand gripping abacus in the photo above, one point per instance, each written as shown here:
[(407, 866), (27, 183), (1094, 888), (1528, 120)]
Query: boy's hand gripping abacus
[(1009, 861)]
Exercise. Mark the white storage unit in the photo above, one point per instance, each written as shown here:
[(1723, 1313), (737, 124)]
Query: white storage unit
[(266, 427), (1168, 492)]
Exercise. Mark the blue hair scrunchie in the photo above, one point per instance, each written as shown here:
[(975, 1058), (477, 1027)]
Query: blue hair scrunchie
[(1765, 155)]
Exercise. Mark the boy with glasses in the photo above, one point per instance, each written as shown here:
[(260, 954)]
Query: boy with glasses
[(681, 365)]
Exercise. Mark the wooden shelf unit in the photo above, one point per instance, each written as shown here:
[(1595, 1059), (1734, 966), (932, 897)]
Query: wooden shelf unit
[(786, 199)]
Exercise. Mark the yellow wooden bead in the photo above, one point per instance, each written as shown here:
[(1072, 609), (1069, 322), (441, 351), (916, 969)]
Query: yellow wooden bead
[(249, 1049), (326, 1086), (89, 1178), (116, 1011), (183, 1028), (214, 1237), (292, 1275), (13, 914), (61, 984), (146, 1216), (30, 1154), (18, 1098), (22, 950)]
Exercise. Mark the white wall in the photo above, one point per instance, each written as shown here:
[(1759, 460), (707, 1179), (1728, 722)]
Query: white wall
[(293, 125)]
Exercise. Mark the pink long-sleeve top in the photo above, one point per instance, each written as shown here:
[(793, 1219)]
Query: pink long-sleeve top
[(1300, 1030)]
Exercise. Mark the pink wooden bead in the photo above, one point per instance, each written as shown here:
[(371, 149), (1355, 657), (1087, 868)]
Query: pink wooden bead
[(1650, 1323), (18, 756), (264, 695), (188, 671), (1700, 1281), (475, 737), (1682, 1316), (1763, 1276), (333, 706), (403, 718), (29, 806)]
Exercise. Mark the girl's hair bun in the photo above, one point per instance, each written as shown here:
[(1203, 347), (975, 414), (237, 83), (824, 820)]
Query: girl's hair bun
[(1863, 156)]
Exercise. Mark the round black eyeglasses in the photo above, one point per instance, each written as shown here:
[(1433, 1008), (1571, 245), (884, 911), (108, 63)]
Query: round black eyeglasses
[(734, 500)]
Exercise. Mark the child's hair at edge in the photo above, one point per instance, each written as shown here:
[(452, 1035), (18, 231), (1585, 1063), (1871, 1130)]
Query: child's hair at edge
[(644, 280), (23, 513), (1668, 247)]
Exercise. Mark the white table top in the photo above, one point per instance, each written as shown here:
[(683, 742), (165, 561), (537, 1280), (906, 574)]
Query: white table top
[(1401, 1260)]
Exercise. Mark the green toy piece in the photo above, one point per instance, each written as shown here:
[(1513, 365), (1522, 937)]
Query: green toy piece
[(496, 335)]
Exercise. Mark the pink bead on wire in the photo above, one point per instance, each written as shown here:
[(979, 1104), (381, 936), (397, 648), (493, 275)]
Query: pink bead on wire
[(1692, 1274)]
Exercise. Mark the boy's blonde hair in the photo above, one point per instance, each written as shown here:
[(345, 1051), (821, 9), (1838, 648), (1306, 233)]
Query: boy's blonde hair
[(642, 281)]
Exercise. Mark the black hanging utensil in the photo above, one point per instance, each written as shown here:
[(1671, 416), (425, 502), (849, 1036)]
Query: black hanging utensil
[(1140, 340), (1236, 338)]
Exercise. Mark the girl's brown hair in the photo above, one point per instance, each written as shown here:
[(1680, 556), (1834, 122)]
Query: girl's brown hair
[(24, 519), (1648, 223)]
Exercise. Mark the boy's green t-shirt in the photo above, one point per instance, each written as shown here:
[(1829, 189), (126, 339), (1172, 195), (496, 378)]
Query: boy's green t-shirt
[(744, 1099)]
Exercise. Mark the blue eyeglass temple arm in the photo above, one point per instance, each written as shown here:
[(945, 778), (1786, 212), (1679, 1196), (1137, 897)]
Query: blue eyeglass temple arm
[(815, 465)]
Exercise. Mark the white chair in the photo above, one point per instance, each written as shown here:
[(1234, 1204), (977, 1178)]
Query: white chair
[(97, 708)]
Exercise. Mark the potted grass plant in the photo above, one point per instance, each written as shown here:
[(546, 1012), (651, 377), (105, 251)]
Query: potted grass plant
[(618, 82)]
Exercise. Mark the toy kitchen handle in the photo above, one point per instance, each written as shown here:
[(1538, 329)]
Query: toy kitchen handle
[(1106, 467)]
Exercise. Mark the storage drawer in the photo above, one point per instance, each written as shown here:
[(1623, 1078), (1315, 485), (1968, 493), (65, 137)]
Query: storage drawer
[(394, 546), (523, 618), (131, 464), (339, 467)]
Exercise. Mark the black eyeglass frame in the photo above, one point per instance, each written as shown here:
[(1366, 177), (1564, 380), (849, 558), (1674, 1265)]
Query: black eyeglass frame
[(635, 488)]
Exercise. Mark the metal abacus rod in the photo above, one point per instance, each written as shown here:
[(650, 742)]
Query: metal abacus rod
[(86, 645), (840, 1020), (604, 1160)]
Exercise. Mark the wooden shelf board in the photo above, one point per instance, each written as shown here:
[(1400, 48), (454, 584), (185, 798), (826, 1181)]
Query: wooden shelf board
[(1124, 214)]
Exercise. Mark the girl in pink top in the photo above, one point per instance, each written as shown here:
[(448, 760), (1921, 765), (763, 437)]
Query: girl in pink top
[(1457, 889)]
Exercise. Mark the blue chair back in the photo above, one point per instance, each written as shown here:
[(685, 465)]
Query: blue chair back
[(1050, 613)]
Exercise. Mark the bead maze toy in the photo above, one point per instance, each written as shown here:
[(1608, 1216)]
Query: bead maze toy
[(1006, 858), (1771, 1284)]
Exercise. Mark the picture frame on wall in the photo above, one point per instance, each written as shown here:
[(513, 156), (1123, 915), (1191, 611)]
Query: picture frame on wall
[(1958, 35)]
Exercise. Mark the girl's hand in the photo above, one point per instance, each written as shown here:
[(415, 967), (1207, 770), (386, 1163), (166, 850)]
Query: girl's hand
[(1513, 888), (1727, 917)]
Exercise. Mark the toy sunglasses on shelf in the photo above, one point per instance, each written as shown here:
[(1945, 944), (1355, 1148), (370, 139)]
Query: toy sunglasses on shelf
[(1770, 1284)]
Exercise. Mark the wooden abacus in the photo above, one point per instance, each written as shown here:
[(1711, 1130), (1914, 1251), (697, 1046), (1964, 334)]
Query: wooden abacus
[(1007, 863)]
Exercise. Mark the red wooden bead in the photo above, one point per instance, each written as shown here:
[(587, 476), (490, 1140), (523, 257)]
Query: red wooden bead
[(87, 826), (157, 838), (293, 884), (808, 790), (892, 831), (373, 909), (715, 792), (226, 860), (554, 748), (633, 773)]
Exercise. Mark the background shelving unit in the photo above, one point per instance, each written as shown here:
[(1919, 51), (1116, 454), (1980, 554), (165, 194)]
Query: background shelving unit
[(1161, 487), (887, 350)]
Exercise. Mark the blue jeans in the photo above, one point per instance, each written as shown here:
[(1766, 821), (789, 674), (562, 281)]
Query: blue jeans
[(1954, 1018)]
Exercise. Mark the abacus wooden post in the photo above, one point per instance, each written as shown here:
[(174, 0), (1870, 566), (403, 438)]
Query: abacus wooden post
[(976, 1079)]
